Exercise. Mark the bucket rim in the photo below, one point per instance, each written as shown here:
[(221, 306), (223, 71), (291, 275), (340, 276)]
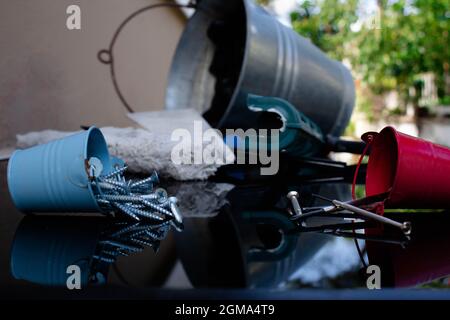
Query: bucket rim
[(390, 132), (9, 174), (245, 5)]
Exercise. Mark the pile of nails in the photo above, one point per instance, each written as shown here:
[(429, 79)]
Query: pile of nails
[(137, 199)]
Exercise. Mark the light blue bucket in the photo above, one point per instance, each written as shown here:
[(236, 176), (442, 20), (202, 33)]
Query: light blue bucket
[(44, 247), (54, 177)]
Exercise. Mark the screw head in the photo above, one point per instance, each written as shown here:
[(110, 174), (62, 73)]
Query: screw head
[(292, 194), (406, 228), (95, 167), (161, 194), (155, 177), (173, 200)]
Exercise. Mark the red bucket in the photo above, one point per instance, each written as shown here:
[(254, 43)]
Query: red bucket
[(415, 172)]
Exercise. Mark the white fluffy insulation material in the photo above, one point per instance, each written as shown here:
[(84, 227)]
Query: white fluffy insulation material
[(145, 150)]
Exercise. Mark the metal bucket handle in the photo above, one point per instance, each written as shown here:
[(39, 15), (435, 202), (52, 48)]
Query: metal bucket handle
[(106, 56), (368, 138)]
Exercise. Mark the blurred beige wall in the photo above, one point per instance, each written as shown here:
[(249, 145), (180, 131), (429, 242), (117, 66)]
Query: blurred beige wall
[(50, 76)]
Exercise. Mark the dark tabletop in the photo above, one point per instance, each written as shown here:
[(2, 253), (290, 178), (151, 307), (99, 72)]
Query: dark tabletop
[(215, 253)]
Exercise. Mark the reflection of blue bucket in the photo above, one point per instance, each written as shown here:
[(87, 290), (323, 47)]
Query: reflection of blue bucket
[(53, 176), (44, 247)]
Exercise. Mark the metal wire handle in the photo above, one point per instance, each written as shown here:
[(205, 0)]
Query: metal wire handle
[(106, 56)]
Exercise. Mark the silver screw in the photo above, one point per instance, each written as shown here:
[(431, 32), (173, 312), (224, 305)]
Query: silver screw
[(155, 235), (126, 210), (161, 195), (120, 198), (121, 245), (157, 208), (153, 179), (115, 183), (176, 213), (115, 173), (142, 242), (145, 214), (127, 229)]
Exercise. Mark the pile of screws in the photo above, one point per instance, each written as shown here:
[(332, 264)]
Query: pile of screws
[(137, 199)]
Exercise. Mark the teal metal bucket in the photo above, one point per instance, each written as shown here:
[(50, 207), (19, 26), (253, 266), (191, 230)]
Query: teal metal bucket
[(54, 177)]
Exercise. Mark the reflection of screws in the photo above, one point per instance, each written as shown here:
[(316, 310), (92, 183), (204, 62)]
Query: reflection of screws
[(106, 186), (121, 245), (99, 200), (142, 242), (154, 235), (151, 196)]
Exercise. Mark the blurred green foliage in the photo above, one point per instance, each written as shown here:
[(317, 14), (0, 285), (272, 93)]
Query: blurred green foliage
[(263, 2), (445, 101), (403, 40), (327, 24)]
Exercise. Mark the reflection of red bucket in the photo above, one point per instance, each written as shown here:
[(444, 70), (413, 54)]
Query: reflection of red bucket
[(415, 172), (423, 259)]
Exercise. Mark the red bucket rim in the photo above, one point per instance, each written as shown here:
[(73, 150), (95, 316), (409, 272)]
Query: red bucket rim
[(391, 132)]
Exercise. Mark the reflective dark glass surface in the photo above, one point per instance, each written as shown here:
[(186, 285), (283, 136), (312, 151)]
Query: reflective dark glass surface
[(237, 235)]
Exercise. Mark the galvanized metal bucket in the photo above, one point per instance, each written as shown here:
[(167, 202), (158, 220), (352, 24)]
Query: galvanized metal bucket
[(53, 176), (230, 49)]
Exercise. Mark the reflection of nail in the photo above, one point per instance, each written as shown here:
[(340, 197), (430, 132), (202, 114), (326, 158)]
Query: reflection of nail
[(108, 260), (144, 213), (121, 245), (150, 181)]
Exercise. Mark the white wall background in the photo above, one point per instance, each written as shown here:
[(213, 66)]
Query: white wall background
[(50, 76)]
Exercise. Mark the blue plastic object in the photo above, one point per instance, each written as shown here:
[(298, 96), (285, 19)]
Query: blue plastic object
[(54, 176), (298, 135)]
